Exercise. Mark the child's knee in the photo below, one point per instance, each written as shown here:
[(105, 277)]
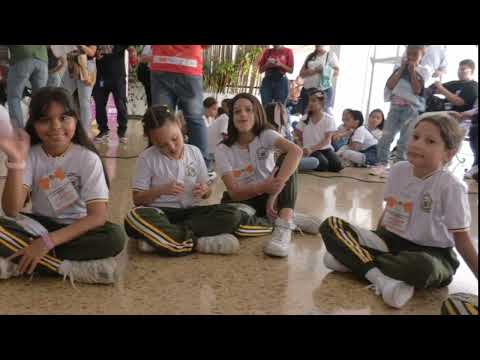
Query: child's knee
[(114, 238)]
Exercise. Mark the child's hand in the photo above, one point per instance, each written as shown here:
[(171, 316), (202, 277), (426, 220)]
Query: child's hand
[(272, 185), (306, 152), (199, 190), (174, 188), (16, 145), (30, 256)]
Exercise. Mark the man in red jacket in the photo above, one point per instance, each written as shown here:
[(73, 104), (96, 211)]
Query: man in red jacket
[(176, 80)]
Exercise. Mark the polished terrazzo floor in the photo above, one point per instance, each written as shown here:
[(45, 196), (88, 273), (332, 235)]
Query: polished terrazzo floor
[(246, 283)]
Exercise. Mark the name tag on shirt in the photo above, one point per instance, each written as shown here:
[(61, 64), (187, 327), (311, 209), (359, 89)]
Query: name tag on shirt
[(245, 175), (397, 216), (59, 190)]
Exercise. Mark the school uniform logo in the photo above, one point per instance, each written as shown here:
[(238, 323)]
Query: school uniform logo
[(427, 202), (262, 153), (190, 170)]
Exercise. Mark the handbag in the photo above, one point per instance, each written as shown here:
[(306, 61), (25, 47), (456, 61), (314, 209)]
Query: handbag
[(78, 69), (326, 75)]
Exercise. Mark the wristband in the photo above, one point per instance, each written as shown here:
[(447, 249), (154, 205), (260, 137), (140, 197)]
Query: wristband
[(47, 241), (15, 165)]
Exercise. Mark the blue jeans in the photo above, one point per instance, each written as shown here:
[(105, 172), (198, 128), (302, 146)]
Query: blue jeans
[(399, 118), (18, 75), (273, 90), (186, 92), (84, 95), (54, 79), (308, 164)]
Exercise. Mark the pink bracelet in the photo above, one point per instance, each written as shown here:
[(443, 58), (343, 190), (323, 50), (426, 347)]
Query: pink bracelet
[(47, 241)]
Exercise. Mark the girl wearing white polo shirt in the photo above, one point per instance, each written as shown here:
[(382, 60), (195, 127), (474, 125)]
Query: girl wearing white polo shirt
[(170, 182), (316, 130), (361, 149), (426, 215), (54, 164), (246, 164)]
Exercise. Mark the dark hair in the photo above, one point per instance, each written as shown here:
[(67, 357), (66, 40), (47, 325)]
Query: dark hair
[(39, 104), (380, 126), (321, 98), (209, 101), (270, 114), (220, 111), (261, 122), (358, 116), (469, 63), (157, 116), (310, 57)]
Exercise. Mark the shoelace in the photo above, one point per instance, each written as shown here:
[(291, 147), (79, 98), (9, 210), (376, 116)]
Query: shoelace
[(374, 288), (69, 274)]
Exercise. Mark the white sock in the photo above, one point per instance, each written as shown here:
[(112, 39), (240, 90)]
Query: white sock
[(373, 275)]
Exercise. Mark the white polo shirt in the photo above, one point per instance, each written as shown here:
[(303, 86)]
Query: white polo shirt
[(154, 169), (437, 205), (377, 133), (217, 128), (82, 167), (363, 136), (249, 165), (313, 133), (313, 81)]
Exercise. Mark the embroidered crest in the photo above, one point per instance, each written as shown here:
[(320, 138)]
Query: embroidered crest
[(262, 153), (190, 171), (427, 202)]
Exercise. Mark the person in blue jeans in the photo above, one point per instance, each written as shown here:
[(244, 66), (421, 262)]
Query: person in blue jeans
[(405, 90), (27, 63), (275, 63), (176, 80)]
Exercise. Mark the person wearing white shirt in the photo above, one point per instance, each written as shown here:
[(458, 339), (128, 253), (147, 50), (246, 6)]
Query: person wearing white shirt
[(435, 59), (427, 214), (54, 164), (246, 164), (315, 131), (169, 185), (361, 149), (318, 70)]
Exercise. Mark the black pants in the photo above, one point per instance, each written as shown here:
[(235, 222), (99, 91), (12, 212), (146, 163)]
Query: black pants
[(101, 91), (473, 134), (144, 77), (329, 160)]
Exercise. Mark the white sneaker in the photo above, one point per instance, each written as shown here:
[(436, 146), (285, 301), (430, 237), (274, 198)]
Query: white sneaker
[(333, 264), (377, 170), (8, 269), (470, 173), (103, 271), (223, 244), (395, 293), (280, 241), (307, 223), (145, 247)]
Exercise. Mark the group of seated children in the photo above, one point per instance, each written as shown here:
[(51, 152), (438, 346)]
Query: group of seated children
[(53, 164)]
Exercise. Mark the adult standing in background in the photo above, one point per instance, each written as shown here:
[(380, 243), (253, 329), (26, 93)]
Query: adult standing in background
[(320, 67), (111, 78), (275, 63), (27, 63), (177, 81), (435, 59), (56, 68), (143, 72), (84, 89)]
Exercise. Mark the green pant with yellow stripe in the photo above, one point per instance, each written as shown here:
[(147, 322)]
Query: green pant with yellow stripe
[(100, 243), (174, 231), (361, 250)]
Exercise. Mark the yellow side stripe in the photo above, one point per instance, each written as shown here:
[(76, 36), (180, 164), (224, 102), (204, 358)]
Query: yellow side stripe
[(451, 310), (53, 261), (156, 241), (471, 308), (153, 228), (355, 242), (346, 241), (250, 234), (351, 244), (251, 227), (12, 248)]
